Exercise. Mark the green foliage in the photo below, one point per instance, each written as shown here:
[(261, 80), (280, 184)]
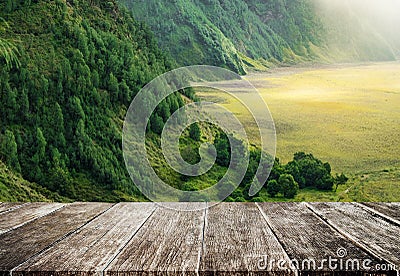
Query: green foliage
[(217, 32), (273, 188), (9, 107), (8, 51), (288, 187), (185, 31), (157, 123), (195, 132), (224, 190), (240, 199), (15, 189), (306, 171), (340, 180), (223, 148), (81, 63), (309, 171), (9, 149), (237, 34)]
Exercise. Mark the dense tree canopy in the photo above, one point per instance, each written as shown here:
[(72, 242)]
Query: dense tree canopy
[(256, 34), (69, 69), (81, 63)]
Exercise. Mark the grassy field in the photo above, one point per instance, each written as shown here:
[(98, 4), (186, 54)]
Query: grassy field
[(347, 115)]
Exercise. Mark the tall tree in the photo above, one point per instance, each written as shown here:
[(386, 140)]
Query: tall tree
[(9, 108), (223, 150), (194, 132), (113, 87), (23, 105), (55, 126), (40, 147), (156, 123), (10, 151)]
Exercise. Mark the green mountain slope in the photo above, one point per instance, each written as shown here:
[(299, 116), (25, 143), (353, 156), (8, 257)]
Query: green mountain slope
[(81, 63), (70, 68), (13, 188), (254, 33), (182, 28)]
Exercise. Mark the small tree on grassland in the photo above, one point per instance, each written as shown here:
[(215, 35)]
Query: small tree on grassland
[(340, 180)]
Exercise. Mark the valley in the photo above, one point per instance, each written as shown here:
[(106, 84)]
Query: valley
[(345, 114), (70, 69)]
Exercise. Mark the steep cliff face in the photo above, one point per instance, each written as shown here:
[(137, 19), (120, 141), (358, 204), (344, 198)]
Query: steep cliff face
[(246, 33)]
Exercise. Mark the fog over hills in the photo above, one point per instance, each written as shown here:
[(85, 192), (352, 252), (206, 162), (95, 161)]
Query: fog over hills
[(378, 19), (256, 34)]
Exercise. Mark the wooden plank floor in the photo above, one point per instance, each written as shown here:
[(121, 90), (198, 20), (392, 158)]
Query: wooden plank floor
[(368, 230), (226, 239), (4, 207)]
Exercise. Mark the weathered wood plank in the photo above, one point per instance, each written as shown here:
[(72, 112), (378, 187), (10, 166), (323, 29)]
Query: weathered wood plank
[(8, 206), (309, 241), (19, 245), (372, 232), (237, 240), (92, 247), (26, 213), (228, 239), (389, 209), (168, 243)]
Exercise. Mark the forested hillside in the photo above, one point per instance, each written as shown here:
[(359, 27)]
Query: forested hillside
[(69, 70), (241, 34), (63, 104)]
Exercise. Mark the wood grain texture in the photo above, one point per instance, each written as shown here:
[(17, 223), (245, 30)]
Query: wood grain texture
[(389, 209), (93, 246), (226, 239), (306, 237), (26, 213), (370, 231), (237, 240), (24, 242), (169, 243), (8, 206)]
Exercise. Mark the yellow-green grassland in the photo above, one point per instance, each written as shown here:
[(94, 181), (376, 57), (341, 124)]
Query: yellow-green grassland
[(347, 115)]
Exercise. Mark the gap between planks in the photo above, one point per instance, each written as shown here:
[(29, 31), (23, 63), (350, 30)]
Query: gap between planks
[(7, 207), (121, 248), (202, 240), (66, 235), (296, 270), (170, 241), (203, 231), (96, 229), (380, 214), (348, 236), (25, 214)]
